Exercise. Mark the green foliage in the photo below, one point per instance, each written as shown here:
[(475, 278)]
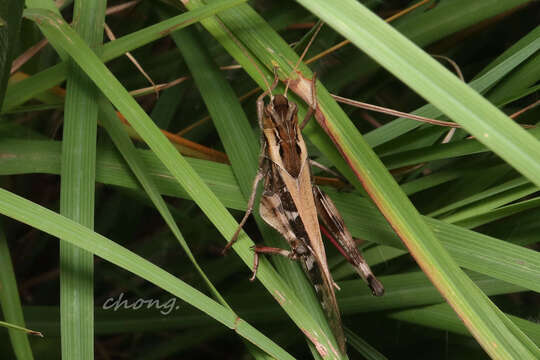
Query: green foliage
[(465, 210)]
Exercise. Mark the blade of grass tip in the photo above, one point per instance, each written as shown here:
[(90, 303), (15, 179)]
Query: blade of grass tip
[(115, 129), (20, 328), (59, 226), (10, 302), (78, 188), (20, 92), (181, 170)]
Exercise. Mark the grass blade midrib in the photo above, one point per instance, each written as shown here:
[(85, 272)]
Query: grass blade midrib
[(77, 190)]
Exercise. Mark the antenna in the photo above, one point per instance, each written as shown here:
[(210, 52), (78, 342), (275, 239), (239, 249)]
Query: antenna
[(317, 29)]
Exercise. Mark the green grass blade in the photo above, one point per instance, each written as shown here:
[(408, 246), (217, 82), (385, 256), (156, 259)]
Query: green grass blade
[(524, 76), (36, 216), (77, 190), (123, 143), (499, 213), (11, 303), (441, 151), (432, 180), (231, 123), (491, 191), (491, 203)]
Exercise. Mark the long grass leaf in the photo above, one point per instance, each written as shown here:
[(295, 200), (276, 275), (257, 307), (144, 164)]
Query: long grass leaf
[(121, 139), (77, 190), (11, 303), (37, 216)]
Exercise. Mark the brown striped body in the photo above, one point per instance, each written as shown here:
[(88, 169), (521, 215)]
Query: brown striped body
[(292, 205)]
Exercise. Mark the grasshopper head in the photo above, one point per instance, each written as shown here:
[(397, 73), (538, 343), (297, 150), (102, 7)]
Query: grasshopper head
[(282, 112)]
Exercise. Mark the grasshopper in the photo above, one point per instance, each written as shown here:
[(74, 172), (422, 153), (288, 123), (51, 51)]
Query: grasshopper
[(292, 204)]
